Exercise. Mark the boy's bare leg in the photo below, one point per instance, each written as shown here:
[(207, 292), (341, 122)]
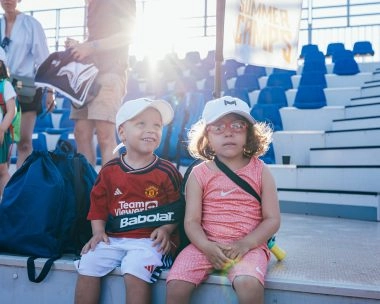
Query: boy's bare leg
[(179, 292), (87, 290), (137, 290)]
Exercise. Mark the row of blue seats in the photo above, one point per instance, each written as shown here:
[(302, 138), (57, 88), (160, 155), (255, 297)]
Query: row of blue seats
[(360, 48)]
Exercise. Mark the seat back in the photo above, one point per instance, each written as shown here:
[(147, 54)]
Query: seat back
[(334, 47), (269, 113), (280, 80), (363, 48), (247, 81), (273, 95), (310, 97), (313, 78)]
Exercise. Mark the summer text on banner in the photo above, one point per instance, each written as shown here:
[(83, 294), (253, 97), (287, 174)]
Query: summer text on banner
[(263, 32)]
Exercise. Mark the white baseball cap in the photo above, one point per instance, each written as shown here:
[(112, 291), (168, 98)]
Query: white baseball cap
[(3, 57), (217, 108), (131, 108)]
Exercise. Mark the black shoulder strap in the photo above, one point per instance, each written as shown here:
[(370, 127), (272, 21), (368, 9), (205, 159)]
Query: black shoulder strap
[(237, 179)]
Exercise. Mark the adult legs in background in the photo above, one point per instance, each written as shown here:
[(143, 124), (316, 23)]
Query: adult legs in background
[(24, 147), (105, 132), (84, 137)]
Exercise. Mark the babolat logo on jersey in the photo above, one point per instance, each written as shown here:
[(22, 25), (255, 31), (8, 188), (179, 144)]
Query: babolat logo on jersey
[(150, 218)]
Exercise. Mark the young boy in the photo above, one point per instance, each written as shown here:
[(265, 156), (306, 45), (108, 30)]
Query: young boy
[(135, 182)]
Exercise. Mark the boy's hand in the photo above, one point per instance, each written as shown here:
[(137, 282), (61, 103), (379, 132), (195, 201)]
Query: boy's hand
[(91, 244), (161, 237)]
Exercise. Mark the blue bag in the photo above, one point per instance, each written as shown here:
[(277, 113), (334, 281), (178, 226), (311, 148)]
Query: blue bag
[(44, 207)]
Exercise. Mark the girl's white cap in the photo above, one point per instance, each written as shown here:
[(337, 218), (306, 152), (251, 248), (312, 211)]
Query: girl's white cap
[(217, 108)]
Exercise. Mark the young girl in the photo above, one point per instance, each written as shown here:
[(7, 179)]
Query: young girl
[(227, 227), (7, 102)]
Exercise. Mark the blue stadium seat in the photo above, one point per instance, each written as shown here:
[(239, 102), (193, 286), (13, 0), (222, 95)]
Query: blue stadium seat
[(185, 84), (315, 56), (241, 93), (283, 71), (342, 54), (310, 97), (345, 64), (269, 113), (314, 66), (247, 81), (308, 49), (362, 48), (65, 121), (43, 122), (280, 80), (256, 70), (313, 78), (273, 95), (269, 156), (192, 58), (209, 83), (334, 47)]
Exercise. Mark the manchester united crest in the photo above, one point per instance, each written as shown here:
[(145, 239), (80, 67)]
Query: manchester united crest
[(151, 191)]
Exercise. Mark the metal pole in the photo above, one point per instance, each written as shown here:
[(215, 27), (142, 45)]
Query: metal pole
[(220, 11)]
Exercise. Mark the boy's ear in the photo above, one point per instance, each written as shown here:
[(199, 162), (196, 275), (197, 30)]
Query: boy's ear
[(121, 133)]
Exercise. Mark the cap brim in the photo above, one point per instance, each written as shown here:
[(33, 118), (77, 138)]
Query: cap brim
[(241, 113)]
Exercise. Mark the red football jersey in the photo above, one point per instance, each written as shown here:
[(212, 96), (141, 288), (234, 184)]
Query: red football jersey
[(120, 189)]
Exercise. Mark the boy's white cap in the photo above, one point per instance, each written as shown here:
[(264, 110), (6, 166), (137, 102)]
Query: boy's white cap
[(217, 108), (132, 108), (3, 56)]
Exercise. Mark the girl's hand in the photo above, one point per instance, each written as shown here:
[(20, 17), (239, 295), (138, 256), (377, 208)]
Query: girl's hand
[(91, 244), (161, 238), (237, 250), (215, 254)]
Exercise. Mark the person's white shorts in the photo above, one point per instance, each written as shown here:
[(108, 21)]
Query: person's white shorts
[(134, 256)]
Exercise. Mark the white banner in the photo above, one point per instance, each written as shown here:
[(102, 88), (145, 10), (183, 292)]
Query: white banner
[(263, 32)]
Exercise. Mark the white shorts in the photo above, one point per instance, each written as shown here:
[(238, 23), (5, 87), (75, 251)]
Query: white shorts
[(134, 256)]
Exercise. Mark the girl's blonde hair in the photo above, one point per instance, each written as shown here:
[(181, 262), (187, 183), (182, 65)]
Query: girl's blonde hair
[(259, 137)]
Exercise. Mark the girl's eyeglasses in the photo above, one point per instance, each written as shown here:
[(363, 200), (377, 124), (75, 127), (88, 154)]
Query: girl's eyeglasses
[(236, 126)]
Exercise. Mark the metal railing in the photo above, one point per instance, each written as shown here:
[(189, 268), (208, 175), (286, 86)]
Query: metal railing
[(321, 23)]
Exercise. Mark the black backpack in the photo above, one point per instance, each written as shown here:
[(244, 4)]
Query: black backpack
[(44, 207)]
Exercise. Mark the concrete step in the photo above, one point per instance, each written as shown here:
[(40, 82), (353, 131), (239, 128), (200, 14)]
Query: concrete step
[(356, 123), (294, 119), (359, 79), (343, 204), (361, 110), (371, 88), (296, 144), (357, 137), (339, 96), (339, 178), (370, 99), (343, 156)]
